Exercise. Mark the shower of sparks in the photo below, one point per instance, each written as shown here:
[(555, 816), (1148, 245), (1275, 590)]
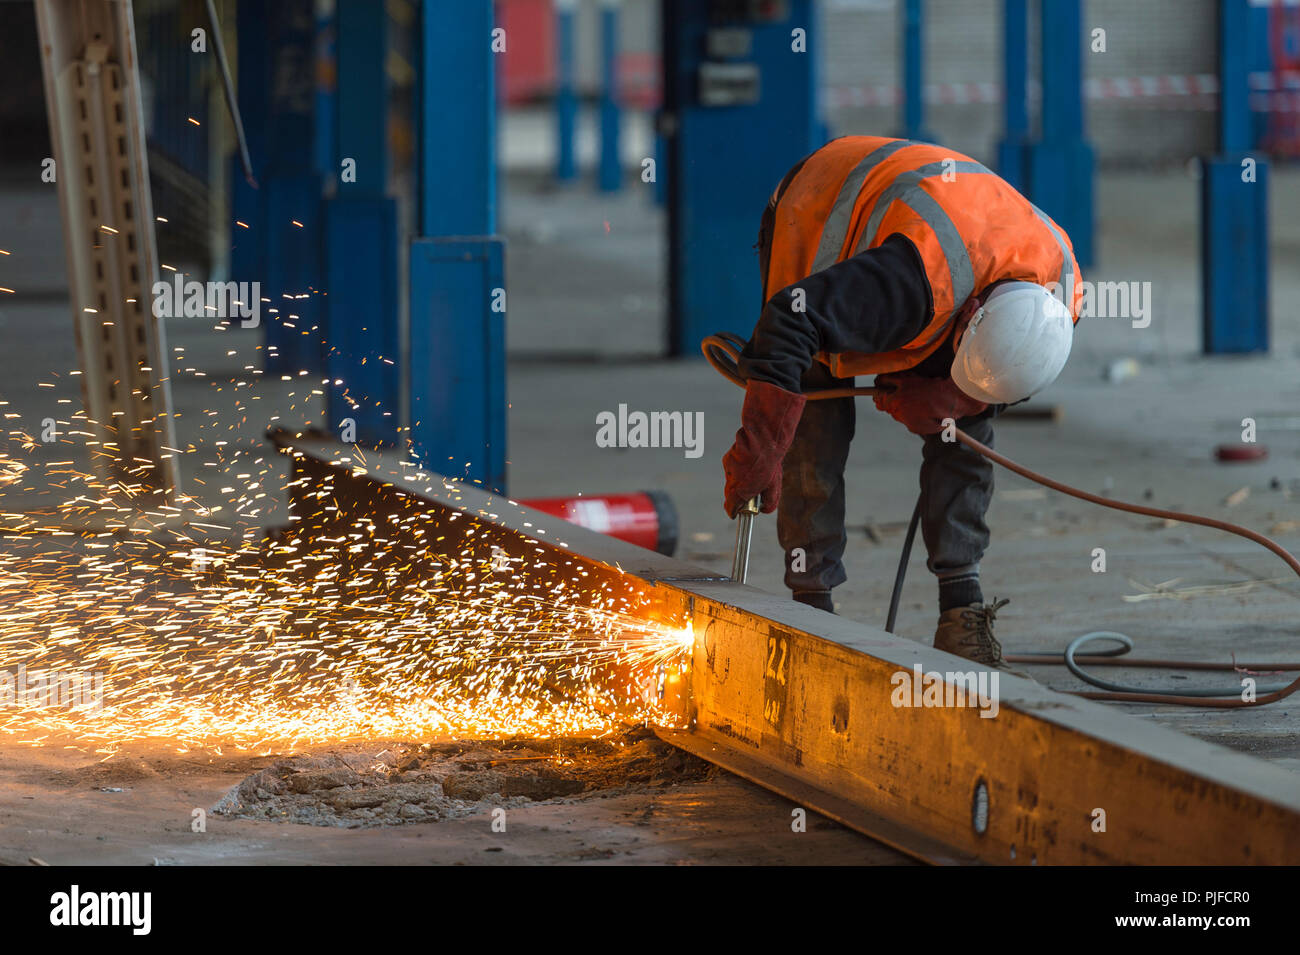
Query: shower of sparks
[(204, 633), (307, 640)]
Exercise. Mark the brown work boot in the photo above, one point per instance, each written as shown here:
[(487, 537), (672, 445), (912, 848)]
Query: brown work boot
[(968, 632)]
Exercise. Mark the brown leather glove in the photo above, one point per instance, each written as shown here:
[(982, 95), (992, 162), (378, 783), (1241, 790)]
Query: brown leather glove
[(921, 404), (753, 465)]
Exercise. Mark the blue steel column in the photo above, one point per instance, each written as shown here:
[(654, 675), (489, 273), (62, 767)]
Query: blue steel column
[(326, 68), (611, 171), (566, 100), (1234, 207), (457, 336), (914, 71), (361, 236), (1061, 164), (253, 58), (276, 92), (725, 160), (1015, 108)]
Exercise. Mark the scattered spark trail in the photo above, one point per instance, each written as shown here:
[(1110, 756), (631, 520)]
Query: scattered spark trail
[(344, 627), (308, 640)]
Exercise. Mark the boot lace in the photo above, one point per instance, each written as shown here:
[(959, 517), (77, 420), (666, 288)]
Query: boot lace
[(980, 622)]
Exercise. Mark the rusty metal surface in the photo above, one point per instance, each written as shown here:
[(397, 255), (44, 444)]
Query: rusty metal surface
[(802, 702)]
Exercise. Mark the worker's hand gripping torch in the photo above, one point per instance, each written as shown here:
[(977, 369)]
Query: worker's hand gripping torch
[(768, 421), (753, 465), (744, 535)]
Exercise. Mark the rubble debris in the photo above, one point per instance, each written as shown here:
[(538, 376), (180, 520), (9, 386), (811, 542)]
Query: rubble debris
[(424, 783), (1237, 496)]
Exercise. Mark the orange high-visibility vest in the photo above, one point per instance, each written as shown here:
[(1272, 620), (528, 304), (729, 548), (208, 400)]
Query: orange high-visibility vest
[(971, 227)]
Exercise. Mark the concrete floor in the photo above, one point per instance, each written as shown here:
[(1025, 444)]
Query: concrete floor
[(60, 808), (587, 293)]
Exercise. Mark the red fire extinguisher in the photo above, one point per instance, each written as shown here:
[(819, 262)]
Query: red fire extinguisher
[(645, 518)]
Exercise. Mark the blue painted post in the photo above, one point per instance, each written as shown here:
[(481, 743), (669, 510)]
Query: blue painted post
[(458, 176), (253, 92), (326, 69), (287, 259), (611, 171), (1061, 164), (362, 123), (362, 361), (1234, 207), (458, 295), (1015, 107), (914, 71), (727, 151), (566, 100)]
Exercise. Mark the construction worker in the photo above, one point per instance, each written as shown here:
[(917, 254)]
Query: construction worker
[(916, 264)]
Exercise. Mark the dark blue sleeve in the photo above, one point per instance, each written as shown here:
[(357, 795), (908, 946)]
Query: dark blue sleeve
[(874, 302)]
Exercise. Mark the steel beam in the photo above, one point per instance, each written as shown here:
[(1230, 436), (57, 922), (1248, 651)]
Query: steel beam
[(92, 95), (801, 702)]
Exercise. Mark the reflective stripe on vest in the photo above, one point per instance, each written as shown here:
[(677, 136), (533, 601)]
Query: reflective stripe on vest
[(835, 230), (906, 189), (1067, 274)]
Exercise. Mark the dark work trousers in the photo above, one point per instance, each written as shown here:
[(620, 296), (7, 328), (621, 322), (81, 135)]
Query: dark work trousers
[(956, 487)]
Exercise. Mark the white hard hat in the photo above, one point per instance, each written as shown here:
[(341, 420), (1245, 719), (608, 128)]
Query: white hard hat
[(1015, 345)]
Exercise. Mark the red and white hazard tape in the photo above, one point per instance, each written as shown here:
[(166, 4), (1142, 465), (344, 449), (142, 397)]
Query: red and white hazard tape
[(1201, 91)]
